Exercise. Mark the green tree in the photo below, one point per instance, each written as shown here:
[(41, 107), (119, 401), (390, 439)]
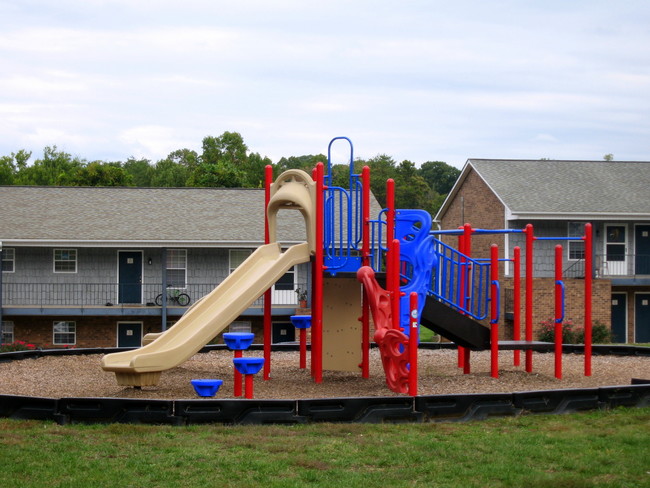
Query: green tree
[(411, 190), (99, 173), (306, 162), (223, 162), (140, 172), (55, 168), (382, 167), (7, 170), (440, 176), (254, 170), (168, 173)]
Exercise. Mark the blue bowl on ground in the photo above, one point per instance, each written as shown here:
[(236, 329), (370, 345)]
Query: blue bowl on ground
[(238, 341), (206, 388), (248, 365), (301, 321)]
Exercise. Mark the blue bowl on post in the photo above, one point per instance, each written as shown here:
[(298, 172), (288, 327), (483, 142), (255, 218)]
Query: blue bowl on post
[(206, 388), (301, 321), (238, 341), (248, 365)]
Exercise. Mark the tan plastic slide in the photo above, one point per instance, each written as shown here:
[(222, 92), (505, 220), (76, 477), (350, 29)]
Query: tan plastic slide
[(207, 318)]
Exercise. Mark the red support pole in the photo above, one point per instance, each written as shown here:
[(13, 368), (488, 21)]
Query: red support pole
[(467, 251), (365, 261), (248, 380), (559, 312), (390, 213), (529, 295), (516, 333), (303, 348), (268, 179), (494, 311), (394, 289), (392, 259), (413, 345), (588, 293), (238, 376), (462, 352), (317, 282)]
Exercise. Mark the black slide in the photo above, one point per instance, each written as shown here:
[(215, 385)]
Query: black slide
[(456, 327)]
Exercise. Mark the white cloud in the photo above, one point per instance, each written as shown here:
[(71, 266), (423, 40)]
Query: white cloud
[(419, 81)]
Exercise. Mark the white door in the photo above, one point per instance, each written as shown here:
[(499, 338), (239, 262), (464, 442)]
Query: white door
[(616, 249), (284, 290)]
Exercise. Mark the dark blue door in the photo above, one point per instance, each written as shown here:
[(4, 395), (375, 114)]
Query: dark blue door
[(642, 317), (642, 248), (619, 317), (129, 334), (130, 277), (283, 332)]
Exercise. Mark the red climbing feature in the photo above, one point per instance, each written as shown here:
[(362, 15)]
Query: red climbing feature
[(393, 343)]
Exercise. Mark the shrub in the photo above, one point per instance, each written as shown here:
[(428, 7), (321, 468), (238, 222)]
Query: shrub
[(17, 346), (600, 333), (547, 332)]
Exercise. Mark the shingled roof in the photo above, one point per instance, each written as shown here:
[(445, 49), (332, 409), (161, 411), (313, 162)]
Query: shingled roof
[(128, 216), (558, 188), (138, 216)]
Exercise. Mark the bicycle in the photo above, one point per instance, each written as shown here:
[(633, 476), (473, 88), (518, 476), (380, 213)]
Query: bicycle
[(174, 296)]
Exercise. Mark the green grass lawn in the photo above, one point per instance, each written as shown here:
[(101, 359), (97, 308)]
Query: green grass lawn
[(594, 449)]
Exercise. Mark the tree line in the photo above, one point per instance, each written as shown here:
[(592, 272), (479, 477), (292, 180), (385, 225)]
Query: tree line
[(225, 161)]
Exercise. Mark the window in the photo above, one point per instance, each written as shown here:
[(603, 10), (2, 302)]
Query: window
[(286, 281), (177, 268), (65, 260), (238, 256), (576, 248), (8, 260), (7, 332), (65, 333), (240, 326)]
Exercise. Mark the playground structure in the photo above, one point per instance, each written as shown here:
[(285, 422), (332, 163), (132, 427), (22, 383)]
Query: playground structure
[(427, 282)]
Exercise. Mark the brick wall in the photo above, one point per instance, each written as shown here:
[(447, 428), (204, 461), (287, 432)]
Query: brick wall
[(97, 331), (476, 204), (544, 303)]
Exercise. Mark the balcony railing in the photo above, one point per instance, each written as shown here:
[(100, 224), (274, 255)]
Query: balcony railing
[(612, 266), (108, 294)]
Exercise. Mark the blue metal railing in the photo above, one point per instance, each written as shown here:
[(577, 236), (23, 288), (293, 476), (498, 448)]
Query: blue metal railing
[(461, 282)]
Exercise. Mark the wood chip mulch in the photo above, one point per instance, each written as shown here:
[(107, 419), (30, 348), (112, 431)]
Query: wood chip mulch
[(82, 376)]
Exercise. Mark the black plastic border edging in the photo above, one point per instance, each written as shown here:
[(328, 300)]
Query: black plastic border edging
[(432, 408)]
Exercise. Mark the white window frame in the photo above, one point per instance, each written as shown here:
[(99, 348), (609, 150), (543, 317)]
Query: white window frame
[(72, 329), (8, 256), (572, 233), (235, 258), (8, 330), (55, 260), (177, 260), (240, 326)]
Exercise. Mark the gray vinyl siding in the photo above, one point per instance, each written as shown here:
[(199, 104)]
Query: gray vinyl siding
[(98, 268)]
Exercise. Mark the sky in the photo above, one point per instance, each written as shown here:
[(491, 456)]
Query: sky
[(416, 80)]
